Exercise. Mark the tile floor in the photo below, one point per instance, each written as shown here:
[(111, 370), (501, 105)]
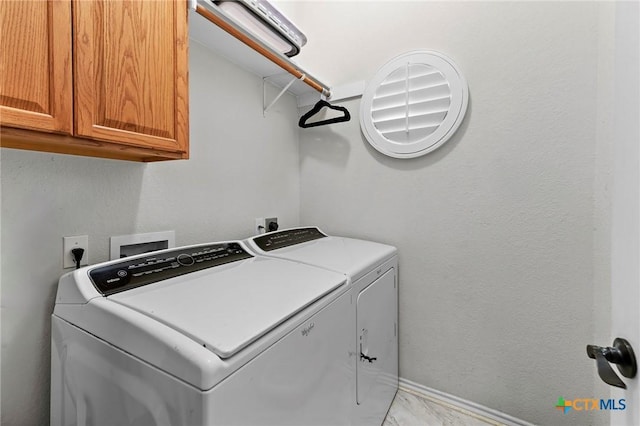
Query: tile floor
[(411, 409)]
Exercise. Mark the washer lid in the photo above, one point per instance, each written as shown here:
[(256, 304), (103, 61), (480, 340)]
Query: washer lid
[(227, 308)]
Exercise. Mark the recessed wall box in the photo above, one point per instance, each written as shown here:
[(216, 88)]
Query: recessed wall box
[(129, 245)]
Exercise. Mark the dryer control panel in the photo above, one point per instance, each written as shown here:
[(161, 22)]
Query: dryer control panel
[(128, 274), (286, 238)]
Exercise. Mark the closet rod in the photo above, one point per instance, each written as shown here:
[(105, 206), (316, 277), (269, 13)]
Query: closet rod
[(273, 57)]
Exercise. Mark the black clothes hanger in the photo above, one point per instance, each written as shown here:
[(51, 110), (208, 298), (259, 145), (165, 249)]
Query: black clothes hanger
[(316, 108)]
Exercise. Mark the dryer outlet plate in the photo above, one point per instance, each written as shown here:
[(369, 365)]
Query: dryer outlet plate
[(264, 225)]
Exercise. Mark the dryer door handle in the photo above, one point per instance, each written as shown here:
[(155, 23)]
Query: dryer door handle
[(364, 357), (367, 358)]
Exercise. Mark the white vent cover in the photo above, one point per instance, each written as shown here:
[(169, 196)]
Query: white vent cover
[(414, 104)]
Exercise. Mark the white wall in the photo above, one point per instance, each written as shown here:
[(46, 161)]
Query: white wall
[(242, 166), (498, 230)]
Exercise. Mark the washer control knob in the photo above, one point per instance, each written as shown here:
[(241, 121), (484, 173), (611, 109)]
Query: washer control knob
[(185, 259)]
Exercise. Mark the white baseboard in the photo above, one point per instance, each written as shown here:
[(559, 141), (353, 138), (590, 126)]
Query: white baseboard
[(461, 404)]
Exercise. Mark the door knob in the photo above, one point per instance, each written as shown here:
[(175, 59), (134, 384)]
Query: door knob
[(620, 354)]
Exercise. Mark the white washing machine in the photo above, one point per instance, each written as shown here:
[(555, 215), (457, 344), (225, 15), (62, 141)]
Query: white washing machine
[(372, 271), (202, 335)]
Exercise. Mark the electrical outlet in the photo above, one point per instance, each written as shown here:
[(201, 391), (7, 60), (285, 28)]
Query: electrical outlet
[(268, 224), (68, 244), (260, 226), (271, 224)]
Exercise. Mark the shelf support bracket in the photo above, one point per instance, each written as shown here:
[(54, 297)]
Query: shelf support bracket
[(264, 93)]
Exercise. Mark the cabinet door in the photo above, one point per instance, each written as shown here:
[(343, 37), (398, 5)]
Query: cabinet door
[(130, 69), (35, 65)]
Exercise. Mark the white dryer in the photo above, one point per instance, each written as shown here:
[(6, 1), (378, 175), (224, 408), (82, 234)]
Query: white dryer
[(201, 335), (372, 271)]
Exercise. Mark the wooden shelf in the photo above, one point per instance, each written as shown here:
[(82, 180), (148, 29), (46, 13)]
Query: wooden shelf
[(211, 27)]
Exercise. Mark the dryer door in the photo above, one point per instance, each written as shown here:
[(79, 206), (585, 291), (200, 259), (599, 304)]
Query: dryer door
[(377, 367)]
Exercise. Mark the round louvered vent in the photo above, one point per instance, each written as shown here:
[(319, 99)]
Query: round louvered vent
[(413, 104)]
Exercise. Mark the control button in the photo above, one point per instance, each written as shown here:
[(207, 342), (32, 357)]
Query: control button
[(122, 273), (175, 265), (185, 260)]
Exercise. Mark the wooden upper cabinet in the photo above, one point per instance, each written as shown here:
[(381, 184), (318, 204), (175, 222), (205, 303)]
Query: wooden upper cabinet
[(96, 78), (130, 72), (35, 65)]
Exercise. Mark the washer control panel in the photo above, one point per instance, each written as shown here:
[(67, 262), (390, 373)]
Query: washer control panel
[(128, 274), (286, 238)]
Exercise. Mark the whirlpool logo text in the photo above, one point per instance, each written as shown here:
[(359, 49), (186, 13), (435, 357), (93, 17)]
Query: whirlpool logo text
[(590, 404)]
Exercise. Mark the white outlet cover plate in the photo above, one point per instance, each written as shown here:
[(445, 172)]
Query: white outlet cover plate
[(69, 243)]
